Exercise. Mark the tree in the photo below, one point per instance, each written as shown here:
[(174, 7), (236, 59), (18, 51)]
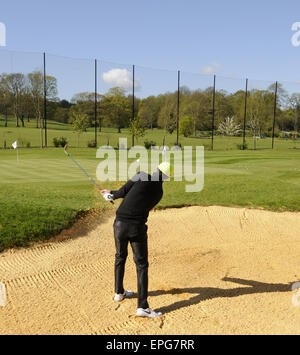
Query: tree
[(223, 105), (5, 99), (282, 95), (15, 85), (229, 127), (84, 102), (115, 108), (253, 126), (36, 90), (197, 105), (294, 102), (261, 110), (136, 129), (186, 126), (36, 82), (61, 115), (237, 103), (80, 122), (168, 112), (26, 107), (149, 111)]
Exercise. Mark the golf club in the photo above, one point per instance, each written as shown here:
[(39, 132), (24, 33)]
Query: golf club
[(91, 179)]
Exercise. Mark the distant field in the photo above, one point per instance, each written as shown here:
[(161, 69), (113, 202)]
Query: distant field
[(32, 135)]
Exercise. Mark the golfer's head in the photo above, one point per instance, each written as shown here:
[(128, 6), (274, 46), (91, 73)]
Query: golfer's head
[(164, 170)]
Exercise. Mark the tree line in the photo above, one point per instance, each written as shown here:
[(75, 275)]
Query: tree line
[(22, 97)]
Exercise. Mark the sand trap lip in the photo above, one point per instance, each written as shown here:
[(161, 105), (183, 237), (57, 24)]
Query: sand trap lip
[(213, 270)]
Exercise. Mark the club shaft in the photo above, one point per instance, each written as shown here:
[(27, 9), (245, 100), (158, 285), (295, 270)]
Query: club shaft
[(91, 179)]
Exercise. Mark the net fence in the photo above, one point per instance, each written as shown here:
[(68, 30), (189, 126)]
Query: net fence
[(48, 100)]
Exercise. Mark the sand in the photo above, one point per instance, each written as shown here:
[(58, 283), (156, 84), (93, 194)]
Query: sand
[(213, 270)]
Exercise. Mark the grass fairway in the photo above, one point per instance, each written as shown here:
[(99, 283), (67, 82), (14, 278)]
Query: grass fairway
[(44, 191)]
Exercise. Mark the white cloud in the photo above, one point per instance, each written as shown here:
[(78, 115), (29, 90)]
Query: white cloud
[(121, 78), (213, 68)]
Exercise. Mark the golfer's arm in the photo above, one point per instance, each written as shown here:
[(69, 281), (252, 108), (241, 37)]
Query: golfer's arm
[(123, 190)]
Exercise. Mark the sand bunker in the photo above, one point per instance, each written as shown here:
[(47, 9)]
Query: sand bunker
[(213, 270)]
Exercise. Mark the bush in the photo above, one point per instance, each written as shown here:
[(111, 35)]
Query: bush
[(22, 143), (242, 147), (62, 141), (91, 144), (186, 126), (149, 144), (56, 142)]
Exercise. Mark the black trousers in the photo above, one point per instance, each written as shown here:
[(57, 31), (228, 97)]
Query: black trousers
[(136, 234)]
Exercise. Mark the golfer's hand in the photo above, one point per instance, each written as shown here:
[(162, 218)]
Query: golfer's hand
[(107, 195)]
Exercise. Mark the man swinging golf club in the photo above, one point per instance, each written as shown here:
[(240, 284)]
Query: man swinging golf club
[(140, 194)]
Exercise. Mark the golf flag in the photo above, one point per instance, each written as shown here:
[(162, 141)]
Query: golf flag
[(15, 146)]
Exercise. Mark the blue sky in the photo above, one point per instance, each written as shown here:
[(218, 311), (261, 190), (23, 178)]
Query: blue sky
[(231, 38)]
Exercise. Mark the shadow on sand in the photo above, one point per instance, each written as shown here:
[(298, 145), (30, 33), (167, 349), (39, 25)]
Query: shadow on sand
[(207, 293)]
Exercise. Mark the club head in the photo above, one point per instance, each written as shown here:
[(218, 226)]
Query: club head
[(66, 149)]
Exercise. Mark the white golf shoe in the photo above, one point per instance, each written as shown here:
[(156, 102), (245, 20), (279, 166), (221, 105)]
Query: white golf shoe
[(121, 296), (148, 312)]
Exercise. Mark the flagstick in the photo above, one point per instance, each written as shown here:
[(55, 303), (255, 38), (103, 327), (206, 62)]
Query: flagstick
[(17, 155)]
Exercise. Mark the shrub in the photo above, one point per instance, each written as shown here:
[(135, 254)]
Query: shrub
[(149, 144), (62, 141), (186, 126), (56, 142), (91, 144), (242, 146), (22, 143)]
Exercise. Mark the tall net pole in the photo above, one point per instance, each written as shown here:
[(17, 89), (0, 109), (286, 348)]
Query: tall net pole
[(178, 106), (213, 114), (245, 116), (133, 110), (95, 103), (275, 112), (45, 101)]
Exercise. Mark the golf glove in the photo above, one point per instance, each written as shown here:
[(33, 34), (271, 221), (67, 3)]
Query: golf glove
[(108, 197)]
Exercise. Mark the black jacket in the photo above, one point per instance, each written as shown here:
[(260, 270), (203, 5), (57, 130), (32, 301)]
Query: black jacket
[(140, 196)]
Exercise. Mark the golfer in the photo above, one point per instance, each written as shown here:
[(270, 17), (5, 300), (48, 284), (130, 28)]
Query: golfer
[(140, 194)]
